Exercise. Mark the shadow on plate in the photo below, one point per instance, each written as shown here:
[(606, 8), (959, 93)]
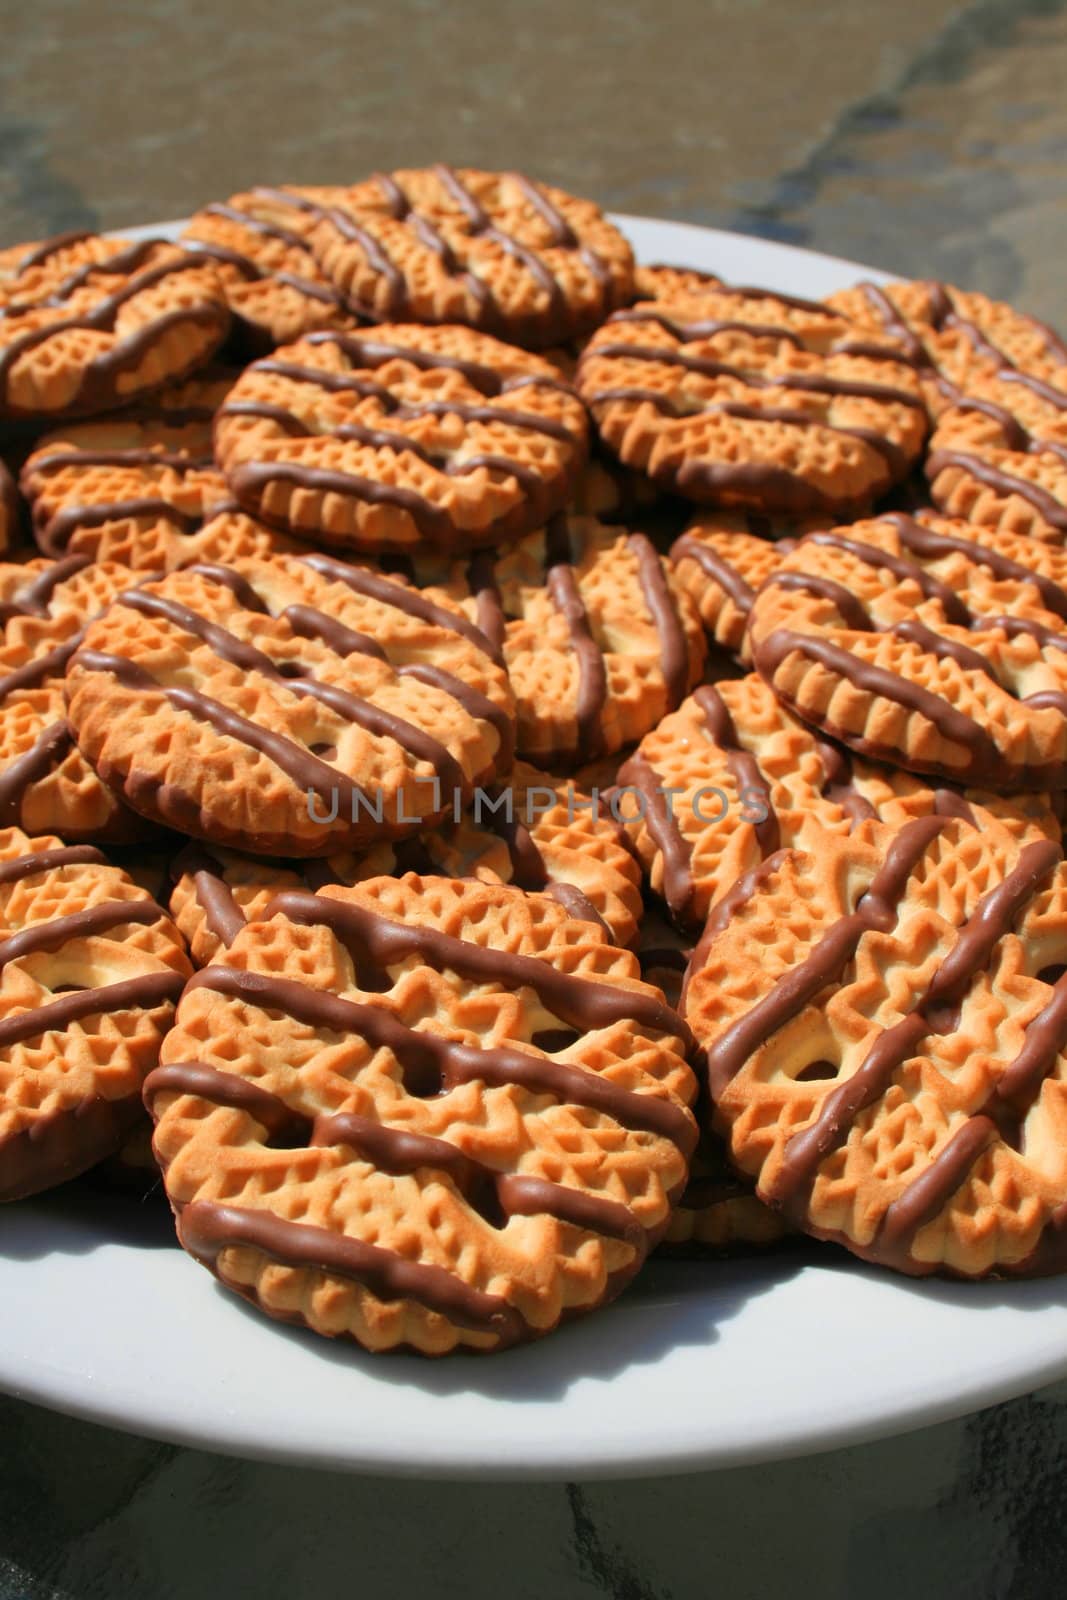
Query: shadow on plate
[(83, 1215)]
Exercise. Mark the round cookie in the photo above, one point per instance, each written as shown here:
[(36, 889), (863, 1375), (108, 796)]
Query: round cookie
[(292, 706), (718, 1213), (118, 327), (46, 784), (730, 778), (720, 560), (998, 456), (535, 832), (929, 643), (423, 1113), (90, 970), (884, 1020), (275, 289), (131, 486), (415, 435), (495, 251), (598, 641), (964, 336), (744, 397)]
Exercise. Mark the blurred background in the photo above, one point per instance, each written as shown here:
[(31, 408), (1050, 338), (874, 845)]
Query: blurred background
[(928, 137), (924, 136)]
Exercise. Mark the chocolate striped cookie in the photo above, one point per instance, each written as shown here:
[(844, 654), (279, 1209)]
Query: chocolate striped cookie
[(423, 1113)]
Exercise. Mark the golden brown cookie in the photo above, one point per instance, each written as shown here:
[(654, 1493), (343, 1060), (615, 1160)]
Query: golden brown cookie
[(963, 336), (45, 782), (731, 777), (663, 282), (423, 1113), (291, 706), (122, 324), (492, 250), (884, 1021), (929, 643), (131, 486), (539, 833), (998, 456), (721, 559), (598, 640), (739, 396), (90, 970), (413, 435), (275, 289)]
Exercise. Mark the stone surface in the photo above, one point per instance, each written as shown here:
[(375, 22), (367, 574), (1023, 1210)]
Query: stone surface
[(926, 136)]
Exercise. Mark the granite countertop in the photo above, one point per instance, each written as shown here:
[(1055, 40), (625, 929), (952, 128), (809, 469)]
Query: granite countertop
[(928, 137)]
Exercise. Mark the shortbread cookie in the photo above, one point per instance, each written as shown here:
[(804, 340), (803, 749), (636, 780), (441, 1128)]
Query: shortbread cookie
[(731, 777), (116, 328), (721, 559), (598, 639), (435, 435), (998, 456), (90, 969), (964, 336), (539, 833), (423, 1113), (663, 282), (10, 510), (492, 250), (46, 784), (932, 644), (129, 486), (291, 706), (744, 397), (884, 1023), (275, 289)]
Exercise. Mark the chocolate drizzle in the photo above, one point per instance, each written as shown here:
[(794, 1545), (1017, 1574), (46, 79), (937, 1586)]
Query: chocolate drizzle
[(562, 584)]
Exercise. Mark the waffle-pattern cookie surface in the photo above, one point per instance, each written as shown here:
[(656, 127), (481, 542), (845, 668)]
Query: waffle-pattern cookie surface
[(721, 559), (90, 969), (599, 640), (46, 784), (423, 1113), (737, 396), (290, 706), (884, 1022), (730, 778), (124, 322), (275, 289), (998, 456), (406, 436), (929, 643), (134, 485), (541, 834), (495, 251)]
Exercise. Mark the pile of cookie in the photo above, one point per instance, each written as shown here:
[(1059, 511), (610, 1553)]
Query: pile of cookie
[(511, 759)]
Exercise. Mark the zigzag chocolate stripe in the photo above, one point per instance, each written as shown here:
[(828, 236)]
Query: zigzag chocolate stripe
[(56, 533), (431, 1064), (49, 749), (149, 990), (101, 918), (562, 584), (33, 600), (1045, 504), (376, 586), (716, 567), (46, 860), (32, 673)]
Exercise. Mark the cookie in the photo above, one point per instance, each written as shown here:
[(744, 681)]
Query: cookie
[(963, 336), (415, 435), (720, 560), (292, 706), (122, 324), (998, 456), (663, 282), (928, 643), (730, 778), (423, 1113), (520, 260), (90, 970), (46, 785), (275, 289), (598, 641), (533, 831), (743, 397), (718, 1213), (130, 486), (10, 510), (883, 1021)]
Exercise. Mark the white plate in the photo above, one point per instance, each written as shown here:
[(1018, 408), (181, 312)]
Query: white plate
[(699, 1365)]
